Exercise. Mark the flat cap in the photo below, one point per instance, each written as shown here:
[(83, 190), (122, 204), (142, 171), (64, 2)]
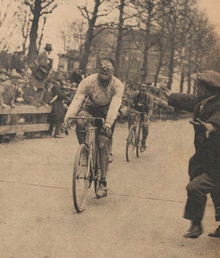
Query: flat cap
[(210, 77)]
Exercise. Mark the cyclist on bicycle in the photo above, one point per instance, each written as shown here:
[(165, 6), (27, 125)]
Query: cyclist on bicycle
[(98, 95), (141, 101)]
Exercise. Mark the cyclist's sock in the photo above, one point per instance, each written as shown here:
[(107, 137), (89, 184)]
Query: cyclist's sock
[(103, 182)]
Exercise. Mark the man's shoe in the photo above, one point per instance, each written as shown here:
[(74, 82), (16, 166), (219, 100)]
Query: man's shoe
[(110, 158), (195, 231), (216, 233), (101, 191), (58, 136)]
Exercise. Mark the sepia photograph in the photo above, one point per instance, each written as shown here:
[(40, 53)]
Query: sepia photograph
[(110, 128)]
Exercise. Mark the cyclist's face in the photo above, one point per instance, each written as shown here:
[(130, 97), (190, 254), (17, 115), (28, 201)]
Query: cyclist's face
[(142, 91), (106, 70)]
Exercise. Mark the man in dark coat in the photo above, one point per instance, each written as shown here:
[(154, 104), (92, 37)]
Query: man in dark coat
[(40, 71), (58, 110), (204, 165)]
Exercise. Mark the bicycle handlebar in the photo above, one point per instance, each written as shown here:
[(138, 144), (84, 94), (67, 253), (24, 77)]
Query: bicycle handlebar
[(75, 118), (89, 119)]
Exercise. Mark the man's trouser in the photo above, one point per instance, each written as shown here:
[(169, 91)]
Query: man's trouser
[(197, 191)]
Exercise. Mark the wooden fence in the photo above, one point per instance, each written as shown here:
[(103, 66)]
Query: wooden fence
[(34, 119)]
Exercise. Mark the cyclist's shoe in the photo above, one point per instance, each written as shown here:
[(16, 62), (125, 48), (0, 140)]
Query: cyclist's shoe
[(143, 147), (216, 233), (101, 191), (110, 158)]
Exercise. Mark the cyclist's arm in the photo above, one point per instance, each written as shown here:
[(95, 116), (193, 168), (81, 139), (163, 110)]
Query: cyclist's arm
[(150, 107), (115, 103), (77, 101)]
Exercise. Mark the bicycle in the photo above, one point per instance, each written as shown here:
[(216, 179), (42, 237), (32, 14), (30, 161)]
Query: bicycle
[(135, 136), (86, 167)]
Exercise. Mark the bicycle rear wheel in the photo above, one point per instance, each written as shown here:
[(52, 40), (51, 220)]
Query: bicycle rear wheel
[(130, 145), (81, 177), (139, 142)]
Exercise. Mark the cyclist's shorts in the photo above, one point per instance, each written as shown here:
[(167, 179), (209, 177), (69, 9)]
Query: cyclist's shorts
[(95, 112)]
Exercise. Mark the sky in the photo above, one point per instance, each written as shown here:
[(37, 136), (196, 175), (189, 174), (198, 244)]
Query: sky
[(67, 11)]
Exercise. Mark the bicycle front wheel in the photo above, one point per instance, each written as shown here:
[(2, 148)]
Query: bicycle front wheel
[(130, 146), (81, 177)]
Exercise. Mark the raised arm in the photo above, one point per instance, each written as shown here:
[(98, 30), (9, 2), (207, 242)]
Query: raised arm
[(77, 101), (115, 103)]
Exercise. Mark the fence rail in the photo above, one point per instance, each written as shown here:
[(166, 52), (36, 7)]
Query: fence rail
[(37, 119)]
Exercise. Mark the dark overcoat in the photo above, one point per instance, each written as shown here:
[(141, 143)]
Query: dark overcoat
[(40, 70), (58, 110), (207, 150)]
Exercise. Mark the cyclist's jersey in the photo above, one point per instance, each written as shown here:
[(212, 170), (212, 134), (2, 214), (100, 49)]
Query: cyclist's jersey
[(106, 99), (142, 104)]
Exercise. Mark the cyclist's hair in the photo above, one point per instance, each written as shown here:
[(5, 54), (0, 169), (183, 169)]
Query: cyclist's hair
[(111, 60)]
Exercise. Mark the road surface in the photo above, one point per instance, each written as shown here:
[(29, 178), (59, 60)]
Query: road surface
[(140, 218)]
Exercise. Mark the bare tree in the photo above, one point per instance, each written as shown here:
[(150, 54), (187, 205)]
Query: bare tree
[(8, 12), (93, 28), (147, 10), (38, 8), (24, 21), (126, 13), (73, 35)]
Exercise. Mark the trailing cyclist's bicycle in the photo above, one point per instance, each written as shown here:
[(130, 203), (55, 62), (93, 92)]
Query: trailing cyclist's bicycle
[(135, 136), (86, 167)]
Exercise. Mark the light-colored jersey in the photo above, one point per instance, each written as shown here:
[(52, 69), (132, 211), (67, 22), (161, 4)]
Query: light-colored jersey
[(107, 99)]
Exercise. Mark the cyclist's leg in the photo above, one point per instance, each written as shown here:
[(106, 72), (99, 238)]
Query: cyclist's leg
[(85, 111), (103, 145), (145, 132), (80, 127), (131, 119)]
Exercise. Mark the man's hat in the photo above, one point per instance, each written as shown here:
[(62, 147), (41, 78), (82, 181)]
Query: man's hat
[(210, 77), (48, 47)]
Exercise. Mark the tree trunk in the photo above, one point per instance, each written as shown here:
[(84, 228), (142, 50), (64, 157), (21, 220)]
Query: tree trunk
[(119, 40), (171, 64), (160, 63), (32, 53), (89, 37)]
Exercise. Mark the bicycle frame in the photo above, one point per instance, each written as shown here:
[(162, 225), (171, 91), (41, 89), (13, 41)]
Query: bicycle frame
[(90, 141)]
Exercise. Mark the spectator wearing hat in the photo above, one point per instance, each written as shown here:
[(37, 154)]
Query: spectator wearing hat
[(18, 61), (40, 71), (204, 165), (76, 77), (58, 110), (8, 91)]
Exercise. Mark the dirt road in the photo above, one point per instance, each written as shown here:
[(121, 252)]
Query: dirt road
[(140, 218)]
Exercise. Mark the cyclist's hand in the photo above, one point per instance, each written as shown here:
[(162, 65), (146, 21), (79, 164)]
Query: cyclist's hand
[(64, 127), (108, 129)]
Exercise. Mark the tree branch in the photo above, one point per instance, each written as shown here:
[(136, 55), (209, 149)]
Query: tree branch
[(49, 3), (29, 4), (47, 12)]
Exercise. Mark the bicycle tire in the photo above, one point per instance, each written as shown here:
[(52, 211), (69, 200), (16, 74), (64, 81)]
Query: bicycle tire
[(97, 174), (139, 141), (81, 177), (131, 143)]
